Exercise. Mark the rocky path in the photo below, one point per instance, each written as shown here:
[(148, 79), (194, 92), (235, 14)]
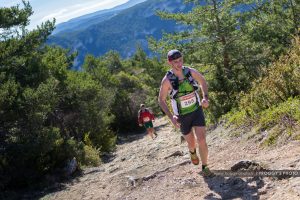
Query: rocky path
[(160, 169)]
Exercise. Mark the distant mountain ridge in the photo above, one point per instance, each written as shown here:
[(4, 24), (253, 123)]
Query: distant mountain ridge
[(87, 20), (121, 30)]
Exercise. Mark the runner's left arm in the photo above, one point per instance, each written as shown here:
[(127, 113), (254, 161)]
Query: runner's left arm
[(140, 120)]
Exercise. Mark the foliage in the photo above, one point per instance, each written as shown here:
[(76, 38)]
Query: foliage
[(91, 156), (286, 114), (273, 99), (45, 108), (280, 82), (130, 82), (229, 37), (50, 114)]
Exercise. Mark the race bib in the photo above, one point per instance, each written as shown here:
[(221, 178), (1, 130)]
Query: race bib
[(146, 119), (188, 100)]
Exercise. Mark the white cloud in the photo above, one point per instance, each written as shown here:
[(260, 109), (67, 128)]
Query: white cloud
[(62, 10), (53, 15), (81, 9)]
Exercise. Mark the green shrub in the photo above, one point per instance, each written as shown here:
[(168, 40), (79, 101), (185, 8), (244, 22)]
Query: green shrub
[(287, 114), (91, 156), (273, 99)]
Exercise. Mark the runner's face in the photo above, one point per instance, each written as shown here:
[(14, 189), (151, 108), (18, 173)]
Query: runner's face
[(177, 64)]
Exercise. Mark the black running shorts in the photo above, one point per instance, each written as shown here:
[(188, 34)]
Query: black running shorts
[(189, 120)]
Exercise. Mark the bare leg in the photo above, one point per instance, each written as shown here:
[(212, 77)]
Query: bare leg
[(153, 132), (150, 133), (201, 139), (190, 138)]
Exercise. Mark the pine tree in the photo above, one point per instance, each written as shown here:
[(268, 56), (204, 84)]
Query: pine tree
[(223, 38)]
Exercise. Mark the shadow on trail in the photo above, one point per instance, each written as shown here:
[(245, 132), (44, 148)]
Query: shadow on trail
[(128, 138), (161, 126), (53, 184), (123, 139), (234, 187)]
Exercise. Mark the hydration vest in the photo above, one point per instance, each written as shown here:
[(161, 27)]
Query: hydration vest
[(174, 93)]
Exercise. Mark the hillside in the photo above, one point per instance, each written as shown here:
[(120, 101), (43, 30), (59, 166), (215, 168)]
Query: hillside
[(85, 21), (161, 169), (121, 32)]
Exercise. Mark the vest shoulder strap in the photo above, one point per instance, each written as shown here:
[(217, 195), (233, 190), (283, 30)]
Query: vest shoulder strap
[(174, 79)]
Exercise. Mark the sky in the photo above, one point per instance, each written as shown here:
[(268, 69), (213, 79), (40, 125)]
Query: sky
[(61, 10)]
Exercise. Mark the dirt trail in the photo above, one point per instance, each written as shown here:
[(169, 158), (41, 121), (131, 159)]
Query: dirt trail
[(160, 169)]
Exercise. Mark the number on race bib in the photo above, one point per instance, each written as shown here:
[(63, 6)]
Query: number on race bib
[(187, 100)]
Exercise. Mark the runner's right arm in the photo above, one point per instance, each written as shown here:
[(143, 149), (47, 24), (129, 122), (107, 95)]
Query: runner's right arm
[(163, 93), (162, 98)]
